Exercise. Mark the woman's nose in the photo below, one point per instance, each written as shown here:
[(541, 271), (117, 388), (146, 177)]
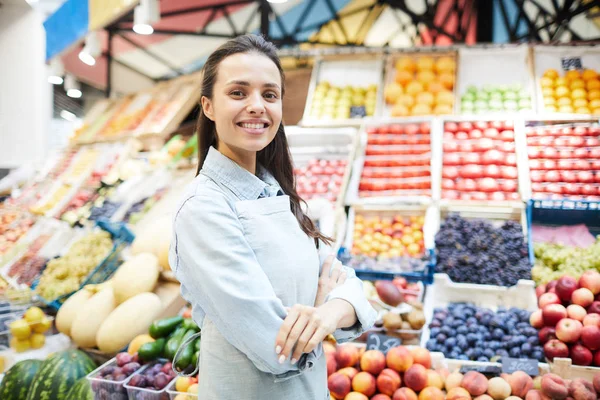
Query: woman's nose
[(256, 104)]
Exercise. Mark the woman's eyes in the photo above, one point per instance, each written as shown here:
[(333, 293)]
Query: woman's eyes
[(267, 95)]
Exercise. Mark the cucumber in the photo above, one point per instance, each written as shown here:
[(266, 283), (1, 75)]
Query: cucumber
[(152, 351), (164, 327)]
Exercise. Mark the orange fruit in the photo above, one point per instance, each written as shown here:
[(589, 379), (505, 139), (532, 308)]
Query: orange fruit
[(392, 92), (551, 73), (566, 109), (406, 100), (447, 79), (546, 82), (547, 92), (445, 64), (425, 98), (442, 109), (425, 77), (578, 94), (561, 91), (577, 84), (414, 87), (572, 75), (406, 64), (434, 87), (400, 110), (550, 108), (549, 101), (596, 111), (593, 84), (595, 103), (404, 77), (589, 74), (561, 82), (578, 103), (564, 101), (445, 97), (425, 63), (593, 95), (421, 109), (583, 110)]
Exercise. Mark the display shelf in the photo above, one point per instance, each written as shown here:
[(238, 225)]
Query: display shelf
[(343, 71), (411, 92)]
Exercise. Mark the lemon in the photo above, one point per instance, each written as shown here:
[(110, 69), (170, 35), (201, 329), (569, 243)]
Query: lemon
[(37, 341), (193, 389), (183, 384), (20, 329), (34, 315), (20, 345), (43, 326)]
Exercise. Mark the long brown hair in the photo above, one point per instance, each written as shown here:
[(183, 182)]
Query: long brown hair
[(276, 157)]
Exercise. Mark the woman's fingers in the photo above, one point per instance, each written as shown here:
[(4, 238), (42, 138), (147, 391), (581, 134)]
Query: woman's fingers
[(305, 337), (286, 327), (317, 337), (293, 337), (327, 265), (335, 273), (342, 279)]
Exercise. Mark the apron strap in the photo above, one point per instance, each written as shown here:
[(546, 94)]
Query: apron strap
[(183, 345)]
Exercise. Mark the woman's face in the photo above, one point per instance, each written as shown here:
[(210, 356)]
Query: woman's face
[(246, 105)]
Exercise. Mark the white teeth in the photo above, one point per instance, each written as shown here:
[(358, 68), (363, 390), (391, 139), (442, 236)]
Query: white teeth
[(253, 126)]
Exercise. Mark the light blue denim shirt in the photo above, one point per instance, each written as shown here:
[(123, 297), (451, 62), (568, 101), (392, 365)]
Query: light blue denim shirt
[(241, 258)]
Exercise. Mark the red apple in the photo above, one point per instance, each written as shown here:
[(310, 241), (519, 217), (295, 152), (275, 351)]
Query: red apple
[(582, 296), (575, 311), (565, 286), (556, 348), (596, 360), (592, 320), (551, 285), (568, 330), (536, 320), (553, 313), (548, 298), (590, 280), (546, 333), (594, 308), (540, 290), (581, 355), (590, 337)]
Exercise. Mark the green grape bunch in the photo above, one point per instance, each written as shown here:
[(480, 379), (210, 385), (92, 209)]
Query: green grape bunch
[(555, 260)]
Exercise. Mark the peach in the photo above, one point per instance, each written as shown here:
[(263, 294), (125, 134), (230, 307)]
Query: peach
[(416, 377), (520, 384), (364, 383), (356, 396), (329, 348), (443, 373), (484, 397), (575, 311), (475, 383), (350, 372), (580, 389), (590, 280), (498, 388), (421, 356), (536, 395), (373, 362), (388, 381), (399, 359), (554, 387), (431, 393), (536, 319), (582, 296), (458, 393), (339, 385), (596, 382), (454, 380), (434, 380), (331, 363), (381, 396), (346, 356), (405, 394)]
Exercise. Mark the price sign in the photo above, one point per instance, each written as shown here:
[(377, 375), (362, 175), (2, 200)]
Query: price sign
[(569, 63), (358, 112), (510, 365), (491, 370), (383, 343)]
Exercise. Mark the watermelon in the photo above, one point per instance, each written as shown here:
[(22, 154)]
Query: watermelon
[(81, 391), (58, 374), (17, 380)]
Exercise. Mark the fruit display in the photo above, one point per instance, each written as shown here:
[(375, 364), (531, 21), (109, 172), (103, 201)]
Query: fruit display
[(335, 102), (48, 204), (569, 318), (184, 388), (140, 208), (58, 374), (564, 161), (184, 94), (155, 238), (153, 378), (13, 226), (495, 98), (466, 332), (28, 267), (28, 332), (107, 381), (82, 165), (18, 379), (475, 251), (479, 161), (64, 275), (104, 210), (320, 178), (555, 260), (420, 85), (397, 161), (576, 91), (81, 390)]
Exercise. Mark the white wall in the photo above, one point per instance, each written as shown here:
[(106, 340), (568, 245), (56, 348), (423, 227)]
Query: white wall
[(25, 96)]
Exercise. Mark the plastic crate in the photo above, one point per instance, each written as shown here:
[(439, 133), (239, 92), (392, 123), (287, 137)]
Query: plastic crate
[(122, 237), (175, 395), (102, 387), (136, 393)]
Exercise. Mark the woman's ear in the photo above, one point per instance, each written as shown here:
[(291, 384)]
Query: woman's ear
[(207, 108)]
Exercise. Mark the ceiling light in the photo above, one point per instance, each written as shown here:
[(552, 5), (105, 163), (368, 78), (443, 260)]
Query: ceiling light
[(72, 87), (57, 70), (69, 116), (91, 50), (144, 15)]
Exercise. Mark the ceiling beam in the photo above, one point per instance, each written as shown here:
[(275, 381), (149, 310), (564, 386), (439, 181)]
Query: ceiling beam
[(204, 8), (176, 32), (151, 54)]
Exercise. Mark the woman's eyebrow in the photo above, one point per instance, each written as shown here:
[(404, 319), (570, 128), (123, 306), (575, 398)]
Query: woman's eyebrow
[(246, 83)]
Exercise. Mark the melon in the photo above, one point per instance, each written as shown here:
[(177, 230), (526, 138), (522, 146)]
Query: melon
[(155, 239), (67, 312), (81, 391), (17, 380), (137, 275), (90, 317)]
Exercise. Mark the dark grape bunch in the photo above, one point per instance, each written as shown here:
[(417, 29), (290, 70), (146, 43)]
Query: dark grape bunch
[(466, 332), (474, 251)]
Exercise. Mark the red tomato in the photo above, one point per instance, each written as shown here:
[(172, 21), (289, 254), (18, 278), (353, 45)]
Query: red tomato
[(465, 147), (471, 171), (396, 129), (571, 188), (596, 165), (492, 157), (488, 185), (529, 131), (593, 130), (448, 184), (514, 196), (581, 131), (479, 196), (476, 134), (466, 196), (576, 141), (566, 131), (537, 187), (471, 158), (595, 153), (549, 164), (509, 172), (481, 125), (372, 130), (469, 185), (536, 176), (496, 124), (568, 176), (554, 188), (592, 142), (450, 146), (507, 135), (451, 159), (583, 165), (580, 153), (450, 172), (465, 126), (497, 196), (588, 190), (448, 136), (493, 171), (565, 153), (450, 194), (533, 152), (461, 135), (511, 159), (508, 124), (509, 186), (508, 147), (424, 128), (552, 176), (535, 164), (565, 164), (585, 176), (411, 129), (484, 144), (561, 142), (451, 126), (491, 133)]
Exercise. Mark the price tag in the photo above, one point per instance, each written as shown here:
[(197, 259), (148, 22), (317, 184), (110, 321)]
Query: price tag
[(491, 370), (510, 365), (358, 112), (383, 343), (569, 63)]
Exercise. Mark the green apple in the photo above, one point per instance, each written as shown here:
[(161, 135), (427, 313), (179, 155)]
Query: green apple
[(510, 105), (509, 95)]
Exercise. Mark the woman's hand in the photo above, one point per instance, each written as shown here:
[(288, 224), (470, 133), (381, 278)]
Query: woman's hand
[(302, 331), (332, 276)]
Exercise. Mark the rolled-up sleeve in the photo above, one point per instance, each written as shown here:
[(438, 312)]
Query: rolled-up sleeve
[(352, 292), (221, 275)]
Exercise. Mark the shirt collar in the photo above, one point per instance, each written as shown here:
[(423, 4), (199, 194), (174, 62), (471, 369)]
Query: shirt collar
[(237, 179)]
